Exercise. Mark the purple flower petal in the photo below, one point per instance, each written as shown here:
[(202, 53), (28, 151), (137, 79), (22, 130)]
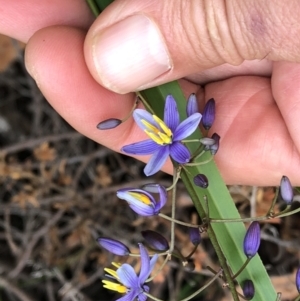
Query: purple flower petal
[(140, 114), (192, 105), (179, 153), (145, 147), (162, 198), (127, 276), (142, 297), (136, 204), (298, 279), (153, 262), (130, 296), (145, 265), (171, 115), (187, 127), (157, 160), (114, 246)]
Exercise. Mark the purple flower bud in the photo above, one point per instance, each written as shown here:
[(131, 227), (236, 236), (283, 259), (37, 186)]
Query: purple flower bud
[(109, 124), (114, 246), (286, 190), (155, 240), (248, 289), (252, 240), (195, 236), (192, 105), (298, 279), (209, 113), (201, 180)]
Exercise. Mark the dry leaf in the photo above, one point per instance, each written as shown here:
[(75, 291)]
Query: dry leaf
[(44, 152)]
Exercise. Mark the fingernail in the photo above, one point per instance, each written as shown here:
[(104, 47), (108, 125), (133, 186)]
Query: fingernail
[(130, 54)]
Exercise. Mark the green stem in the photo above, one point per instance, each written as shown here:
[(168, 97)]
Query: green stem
[(178, 222), (222, 260)]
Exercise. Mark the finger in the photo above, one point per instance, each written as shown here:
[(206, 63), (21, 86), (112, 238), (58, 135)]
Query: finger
[(244, 156), (66, 83), (21, 19), (256, 147), (136, 44), (285, 84)]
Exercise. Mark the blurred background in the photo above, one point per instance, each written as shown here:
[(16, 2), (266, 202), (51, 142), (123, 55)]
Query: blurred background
[(57, 195)]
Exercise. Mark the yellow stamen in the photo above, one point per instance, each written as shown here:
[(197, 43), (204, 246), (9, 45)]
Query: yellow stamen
[(155, 138), (150, 126), (112, 273), (166, 139), (162, 135), (162, 125), (141, 197), (114, 286), (117, 265)]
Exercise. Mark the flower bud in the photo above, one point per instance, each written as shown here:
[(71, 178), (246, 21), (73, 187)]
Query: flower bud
[(209, 113), (207, 141), (215, 147), (201, 180), (192, 105), (252, 240), (190, 265), (195, 236), (298, 279), (248, 289), (286, 190), (114, 246), (109, 124), (155, 240)]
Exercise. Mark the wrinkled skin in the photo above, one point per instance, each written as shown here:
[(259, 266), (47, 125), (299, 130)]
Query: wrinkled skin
[(247, 62)]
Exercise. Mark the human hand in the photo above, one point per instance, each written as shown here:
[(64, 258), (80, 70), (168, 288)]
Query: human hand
[(257, 101)]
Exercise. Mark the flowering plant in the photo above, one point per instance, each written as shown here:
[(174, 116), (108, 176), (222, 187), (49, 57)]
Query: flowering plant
[(171, 132)]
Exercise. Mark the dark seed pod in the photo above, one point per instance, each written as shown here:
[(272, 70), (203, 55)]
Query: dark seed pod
[(248, 289), (195, 236), (155, 240), (201, 181)]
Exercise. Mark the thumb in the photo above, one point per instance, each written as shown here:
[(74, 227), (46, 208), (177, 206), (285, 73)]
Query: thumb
[(135, 44)]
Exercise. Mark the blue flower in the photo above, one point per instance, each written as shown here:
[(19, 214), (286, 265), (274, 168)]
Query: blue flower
[(165, 136), (127, 281), (142, 202)]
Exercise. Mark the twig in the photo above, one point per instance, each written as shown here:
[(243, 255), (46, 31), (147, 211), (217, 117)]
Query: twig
[(9, 286), (37, 235)]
